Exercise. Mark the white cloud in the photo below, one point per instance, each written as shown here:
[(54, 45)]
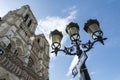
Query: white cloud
[(92, 73), (72, 79), (72, 12), (50, 23), (72, 15), (4, 9)]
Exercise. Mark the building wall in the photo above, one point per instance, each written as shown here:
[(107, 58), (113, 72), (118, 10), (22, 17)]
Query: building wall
[(24, 52), (4, 74)]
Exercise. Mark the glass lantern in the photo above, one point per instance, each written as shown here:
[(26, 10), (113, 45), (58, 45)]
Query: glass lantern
[(92, 27), (72, 30), (56, 38)]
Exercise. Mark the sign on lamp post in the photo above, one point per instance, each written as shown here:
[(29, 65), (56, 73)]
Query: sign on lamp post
[(80, 62)]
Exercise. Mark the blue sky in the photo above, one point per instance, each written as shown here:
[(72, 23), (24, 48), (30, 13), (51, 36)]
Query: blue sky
[(103, 61)]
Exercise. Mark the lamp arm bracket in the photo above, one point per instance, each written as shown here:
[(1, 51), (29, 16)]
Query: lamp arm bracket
[(69, 50), (66, 50), (78, 42), (89, 45)]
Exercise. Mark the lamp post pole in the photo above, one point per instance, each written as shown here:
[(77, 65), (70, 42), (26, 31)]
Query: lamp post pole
[(92, 27), (84, 72)]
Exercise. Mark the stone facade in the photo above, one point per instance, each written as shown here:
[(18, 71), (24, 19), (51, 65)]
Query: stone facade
[(23, 55)]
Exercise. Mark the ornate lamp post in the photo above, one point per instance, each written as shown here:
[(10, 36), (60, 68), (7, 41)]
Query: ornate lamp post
[(92, 27)]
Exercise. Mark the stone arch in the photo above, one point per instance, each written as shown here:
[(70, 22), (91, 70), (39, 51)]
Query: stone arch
[(17, 41), (17, 46), (33, 58), (13, 44), (31, 62), (19, 52)]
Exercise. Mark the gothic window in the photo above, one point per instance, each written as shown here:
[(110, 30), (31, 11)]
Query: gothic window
[(0, 19), (20, 28), (22, 31), (15, 52), (1, 52), (26, 17), (9, 46), (38, 40), (26, 33), (29, 23), (30, 62)]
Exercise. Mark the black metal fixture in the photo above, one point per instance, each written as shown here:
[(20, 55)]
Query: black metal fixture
[(91, 26)]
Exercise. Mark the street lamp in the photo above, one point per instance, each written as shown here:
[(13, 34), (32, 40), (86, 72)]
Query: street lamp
[(73, 31), (92, 27), (56, 38)]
